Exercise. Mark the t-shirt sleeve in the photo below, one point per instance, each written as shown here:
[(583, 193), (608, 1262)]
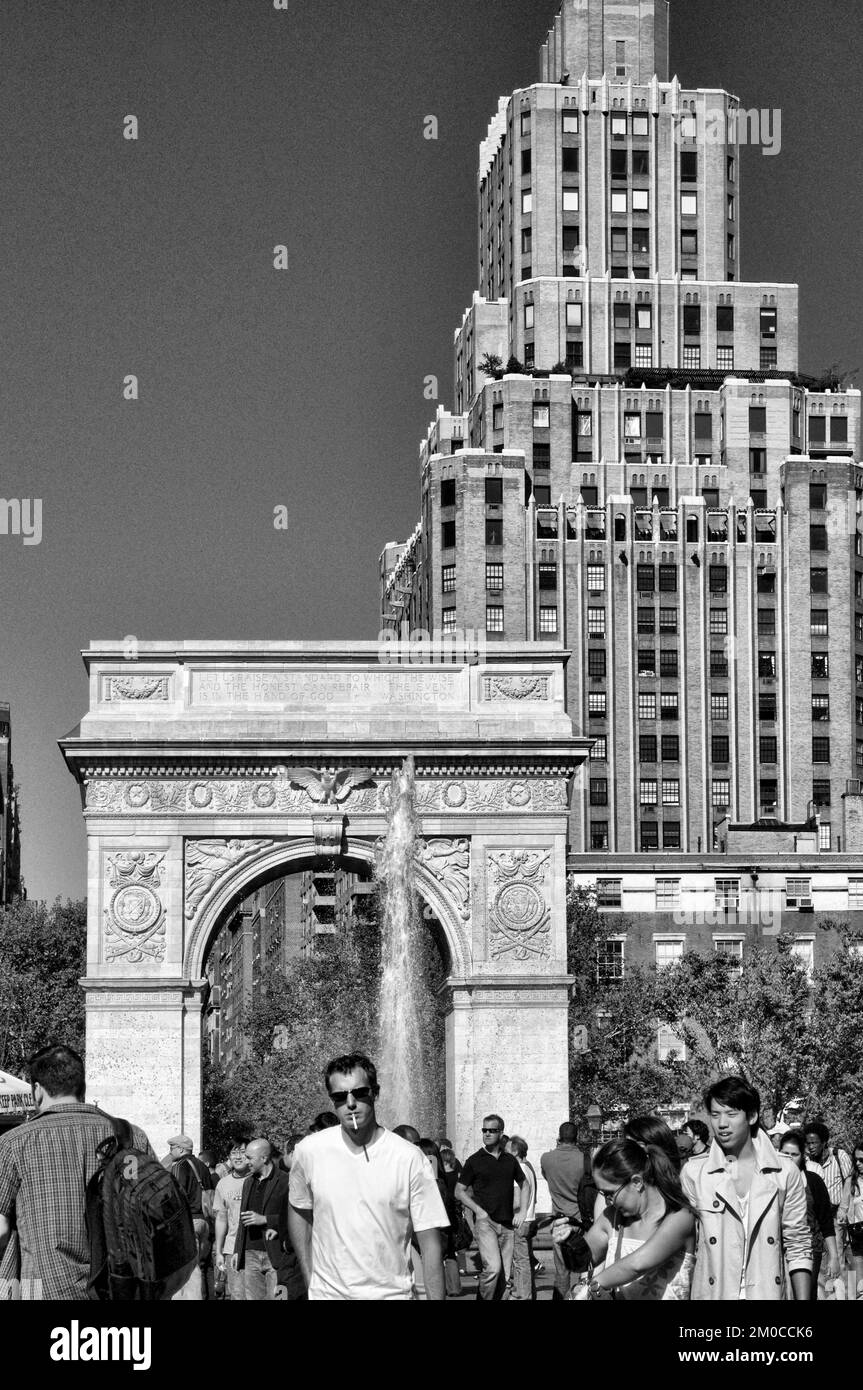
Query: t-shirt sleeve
[(220, 1200), (10, 1180), (427, 1208), (300, 1189), (518, 1172), (467, 1176)]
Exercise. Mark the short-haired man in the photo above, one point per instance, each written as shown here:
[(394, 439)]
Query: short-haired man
[(833, 1166), (700, 1135), (263, 1223), (194, 1177), (226, 1207), (751, 1206), (563, 1170), (486, 1187), (44, 1170), (523, 1281), (358, 1192)]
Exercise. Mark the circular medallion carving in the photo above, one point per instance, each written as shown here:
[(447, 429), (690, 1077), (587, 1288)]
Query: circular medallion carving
[(201, 795), (264, 794), (137, 795), (135, 908), (454, 794), (518, 794), (519, 907)]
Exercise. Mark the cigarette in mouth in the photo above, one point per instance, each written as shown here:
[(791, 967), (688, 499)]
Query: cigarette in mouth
[(354, 1119)]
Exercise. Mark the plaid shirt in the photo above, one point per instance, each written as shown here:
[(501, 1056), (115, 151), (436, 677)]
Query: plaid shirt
[(44, 1169)]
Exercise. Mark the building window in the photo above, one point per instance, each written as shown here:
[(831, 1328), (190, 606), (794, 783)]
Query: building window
[(494, 577), (668, 579), (599, 834), (718, 579), (595, 658), (643, 355), (528, 316), (757, 460), (448, 615), (671, 791), (732, 247), (526, 241), (548, 576), (596, 622), (720, 792), (641, 244), (640, 200), (548, 621), (719, 748), (819, 622), (647, 748), (689, 204), (689, 166), (670, 745), (584, 424), (731, 950), (692, 359), (825, 838), (668, 620), (767, 748), (668, 706), (718, 662), (803, 948), (622, 355), (570, 159), (767, 665), (818, 581), (767, 708), (448, 579), (757, 419), (646, 661), (646, 705), (541, 416), (668, 662), (767, 622), (526, 202), (726, 894), (570, 122), (610, 961), (646, 621), (599, 791), (718, 622), (820, 708), (596, 704), (719, 707), (447, 535), (494, 531), (596, 578), (574, 320), (768, 794), (570, 200), (855, 894), (447, 492), (671, 834), (645, 578), (821, 791), (608, 892), (494, 617), (619, 202), (619, 166), (725, 359), (820, 750), (667, 950), (640, 127), (599, 749), (649, 834), (574, 356)]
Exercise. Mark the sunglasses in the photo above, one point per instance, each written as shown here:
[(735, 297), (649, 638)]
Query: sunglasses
[(487, 1129), (358, 1093)]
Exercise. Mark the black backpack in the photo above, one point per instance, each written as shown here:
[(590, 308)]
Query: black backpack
[(142, 1240)]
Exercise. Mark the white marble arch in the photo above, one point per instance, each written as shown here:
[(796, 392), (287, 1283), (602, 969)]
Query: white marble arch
[(191, 742)]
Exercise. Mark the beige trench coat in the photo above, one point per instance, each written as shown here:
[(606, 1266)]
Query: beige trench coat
[(777, 1225)]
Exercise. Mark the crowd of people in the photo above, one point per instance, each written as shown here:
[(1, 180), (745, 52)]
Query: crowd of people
[(351, 1210)]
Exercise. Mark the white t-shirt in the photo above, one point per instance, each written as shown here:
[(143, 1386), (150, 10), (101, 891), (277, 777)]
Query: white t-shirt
[(365, 1210), (229, 1192)]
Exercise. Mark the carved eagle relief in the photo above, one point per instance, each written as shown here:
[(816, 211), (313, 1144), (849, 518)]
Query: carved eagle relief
[(328, 788)]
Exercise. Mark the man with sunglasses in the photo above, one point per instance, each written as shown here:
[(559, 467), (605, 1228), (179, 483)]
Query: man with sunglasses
[(357, 1194), (486, 1187)]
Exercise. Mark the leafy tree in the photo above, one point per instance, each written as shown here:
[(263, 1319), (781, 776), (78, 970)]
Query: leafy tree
[(754, 1024), (43, 954), (618, 1069), (834, 1086), (491, 364), (514, 366)]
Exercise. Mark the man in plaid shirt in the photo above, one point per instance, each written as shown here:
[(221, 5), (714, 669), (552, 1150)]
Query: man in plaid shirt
[(44, 1170)]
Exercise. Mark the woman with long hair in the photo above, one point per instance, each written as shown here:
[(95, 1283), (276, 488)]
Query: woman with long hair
[(851, 1213), (642, 1245)]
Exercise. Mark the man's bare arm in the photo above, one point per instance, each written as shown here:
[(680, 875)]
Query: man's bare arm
[(431, 1252), (5, 1232), (300, 1232)]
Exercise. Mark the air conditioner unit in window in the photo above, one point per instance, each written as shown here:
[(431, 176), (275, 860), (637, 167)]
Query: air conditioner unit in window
[(804, 905)]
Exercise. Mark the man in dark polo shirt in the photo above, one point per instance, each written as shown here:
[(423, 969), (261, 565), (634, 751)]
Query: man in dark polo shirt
[(486, 1185), (263, 1222)]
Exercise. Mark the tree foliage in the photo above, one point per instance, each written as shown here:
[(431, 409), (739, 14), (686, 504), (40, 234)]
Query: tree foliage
[(43, 955), (834, 1080)]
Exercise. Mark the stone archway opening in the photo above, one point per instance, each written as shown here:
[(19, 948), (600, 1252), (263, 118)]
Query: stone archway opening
[(266, 951)]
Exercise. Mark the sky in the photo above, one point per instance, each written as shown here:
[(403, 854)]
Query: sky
[(302, 387)]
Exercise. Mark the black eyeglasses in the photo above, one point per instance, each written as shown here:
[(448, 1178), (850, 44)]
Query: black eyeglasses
[(487, 1129), (358, 1093)]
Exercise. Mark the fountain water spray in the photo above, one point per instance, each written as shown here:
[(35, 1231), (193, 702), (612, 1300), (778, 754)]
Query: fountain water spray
[(405, 1082)]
